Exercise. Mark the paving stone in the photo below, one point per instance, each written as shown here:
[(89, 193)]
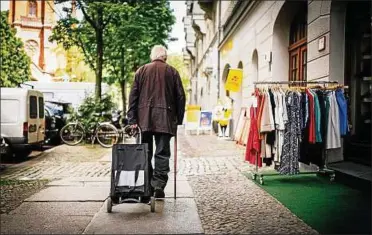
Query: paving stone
[(49, 218), (71, 193), (227, 202), (170, 217)]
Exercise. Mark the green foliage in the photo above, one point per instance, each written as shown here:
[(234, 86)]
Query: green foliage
[(132, 34), (176, 60), (130, 37), (86, 111), (116, 36), (88, 34), (76, 68), (15, 64)]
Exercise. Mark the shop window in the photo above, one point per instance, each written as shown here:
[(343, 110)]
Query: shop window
[(298, 48), (32, 8)]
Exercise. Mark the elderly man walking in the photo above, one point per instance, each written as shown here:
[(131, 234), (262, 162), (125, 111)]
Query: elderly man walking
[(157, 106)]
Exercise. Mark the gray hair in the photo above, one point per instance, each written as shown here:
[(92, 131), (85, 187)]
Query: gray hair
[(158, 51)]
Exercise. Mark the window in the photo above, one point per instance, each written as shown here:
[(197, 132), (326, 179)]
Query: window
[(32, 8), (298, 48), (33, 107), (41, 107)]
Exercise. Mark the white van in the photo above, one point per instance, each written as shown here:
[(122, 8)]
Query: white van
[(22, 119)]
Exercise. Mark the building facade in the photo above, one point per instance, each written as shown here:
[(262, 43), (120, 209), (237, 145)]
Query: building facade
[(34, 21), (284, 41)]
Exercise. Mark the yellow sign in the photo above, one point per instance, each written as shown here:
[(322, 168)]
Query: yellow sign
[(227, 48), (234, 80), (226, 117), (192, 114), (228, 113)]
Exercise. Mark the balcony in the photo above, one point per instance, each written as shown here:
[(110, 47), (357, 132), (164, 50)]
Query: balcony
[(31, 22), (207, 7)]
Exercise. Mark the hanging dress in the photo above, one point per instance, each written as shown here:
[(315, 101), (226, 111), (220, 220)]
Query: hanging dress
[(289, 164), (253, 146)]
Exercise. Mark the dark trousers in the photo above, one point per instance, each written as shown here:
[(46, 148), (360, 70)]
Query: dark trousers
[(159, 175)]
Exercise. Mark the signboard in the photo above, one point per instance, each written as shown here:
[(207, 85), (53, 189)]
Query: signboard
[(192, 113), (227, 47), (205, 120), (240, 125), (192, 117), (234, 80)]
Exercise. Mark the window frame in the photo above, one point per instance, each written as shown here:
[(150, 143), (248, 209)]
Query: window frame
[(33, 112), (297, 47), (32, 4), (41, 107)]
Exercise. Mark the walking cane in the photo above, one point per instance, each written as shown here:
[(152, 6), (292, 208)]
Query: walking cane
[(175, 166)]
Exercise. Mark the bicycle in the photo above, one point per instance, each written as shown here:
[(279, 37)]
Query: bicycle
[(106, 134)]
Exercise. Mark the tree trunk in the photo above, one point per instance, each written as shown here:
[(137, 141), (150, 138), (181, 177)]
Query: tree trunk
[(99, 59), (123, 84), (124, 96)]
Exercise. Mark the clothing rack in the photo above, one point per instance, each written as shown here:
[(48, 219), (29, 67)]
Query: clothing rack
[(324, 169)]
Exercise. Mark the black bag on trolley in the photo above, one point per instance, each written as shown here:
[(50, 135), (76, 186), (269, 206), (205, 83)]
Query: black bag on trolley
[(130, 171)]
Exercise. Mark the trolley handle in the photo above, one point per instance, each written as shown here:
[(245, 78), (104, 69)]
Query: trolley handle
[(132, 133)]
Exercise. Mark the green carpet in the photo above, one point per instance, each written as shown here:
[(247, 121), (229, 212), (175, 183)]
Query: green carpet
[(329, 208)]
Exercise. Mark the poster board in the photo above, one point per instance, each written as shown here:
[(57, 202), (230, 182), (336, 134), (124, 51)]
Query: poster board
[(192, 118), (234, 80), (205, 123), (245, 133), (240, 125)]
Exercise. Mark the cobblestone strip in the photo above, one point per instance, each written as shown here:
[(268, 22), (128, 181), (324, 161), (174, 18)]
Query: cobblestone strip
[(13, 192), (66, 169), (231, 204), (228, 202)]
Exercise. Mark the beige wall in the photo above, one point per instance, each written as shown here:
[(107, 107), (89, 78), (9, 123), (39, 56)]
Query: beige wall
[(318, 26)]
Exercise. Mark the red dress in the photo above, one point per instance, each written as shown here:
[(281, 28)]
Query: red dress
[(311, 117), (254, 145)]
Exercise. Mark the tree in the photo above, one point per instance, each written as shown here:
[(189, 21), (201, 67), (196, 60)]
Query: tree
[(88, 34), (132, 34), (176, 60), (76, 68), (15, 64)]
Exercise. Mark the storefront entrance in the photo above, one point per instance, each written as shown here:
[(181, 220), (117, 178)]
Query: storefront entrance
[(358, 77)]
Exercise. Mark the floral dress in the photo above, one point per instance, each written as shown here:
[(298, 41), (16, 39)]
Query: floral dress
[(289, 164)]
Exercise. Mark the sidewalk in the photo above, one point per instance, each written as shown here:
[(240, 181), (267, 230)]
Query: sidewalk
[(76, 205), (213, 197)]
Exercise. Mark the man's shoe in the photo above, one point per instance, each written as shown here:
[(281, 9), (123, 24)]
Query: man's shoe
[(159, 194)]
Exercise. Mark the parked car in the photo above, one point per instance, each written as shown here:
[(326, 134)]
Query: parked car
[(51, 129), (22, 120), (59, 112), (60, 109)]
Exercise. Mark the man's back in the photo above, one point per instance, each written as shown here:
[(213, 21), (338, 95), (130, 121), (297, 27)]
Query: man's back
[(159, 97)]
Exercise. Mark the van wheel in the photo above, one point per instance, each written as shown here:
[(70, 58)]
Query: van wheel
[(22, 154)]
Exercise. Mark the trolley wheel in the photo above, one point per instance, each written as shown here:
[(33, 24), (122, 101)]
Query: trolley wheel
[(332, 177), (109, 205), (253, 176), (152, 204), (261, 180)]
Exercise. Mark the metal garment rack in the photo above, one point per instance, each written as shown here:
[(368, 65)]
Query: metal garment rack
[(324, 169)]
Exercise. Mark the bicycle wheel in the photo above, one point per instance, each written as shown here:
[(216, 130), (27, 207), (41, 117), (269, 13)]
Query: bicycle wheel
[(107, 135), (72, 134)]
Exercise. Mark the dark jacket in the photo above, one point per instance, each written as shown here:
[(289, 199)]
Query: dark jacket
[(157, 99)]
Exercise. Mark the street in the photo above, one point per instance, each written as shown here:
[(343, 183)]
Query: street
[(67, 186)]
